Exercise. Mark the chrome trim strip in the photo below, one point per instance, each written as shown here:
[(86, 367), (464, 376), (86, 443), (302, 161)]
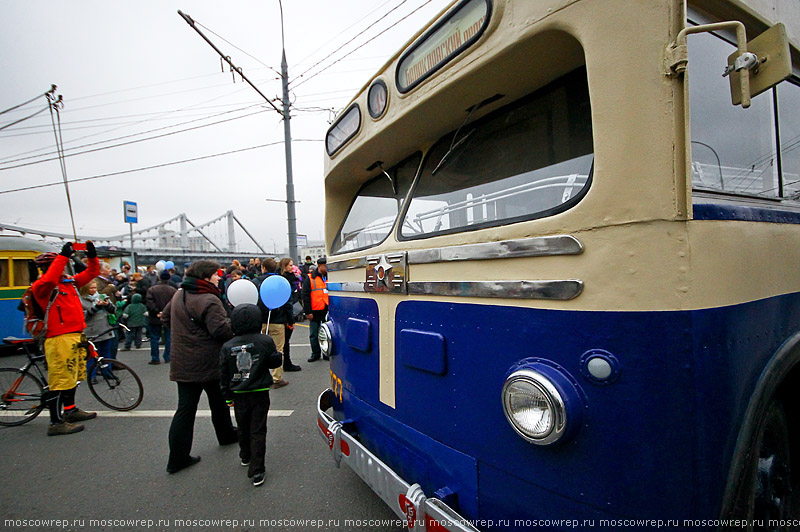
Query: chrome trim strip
[(561, 290), (507, 249), (350, 264), (346, 287)]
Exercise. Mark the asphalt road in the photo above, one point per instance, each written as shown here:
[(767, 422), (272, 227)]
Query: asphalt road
[(112, 475)]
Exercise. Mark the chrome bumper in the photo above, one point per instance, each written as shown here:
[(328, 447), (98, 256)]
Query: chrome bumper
[(419, 513)]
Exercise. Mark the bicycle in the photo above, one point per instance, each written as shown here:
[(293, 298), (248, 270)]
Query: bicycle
[(110, 381)]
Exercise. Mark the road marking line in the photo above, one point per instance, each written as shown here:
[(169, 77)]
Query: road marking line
[(170, 413)]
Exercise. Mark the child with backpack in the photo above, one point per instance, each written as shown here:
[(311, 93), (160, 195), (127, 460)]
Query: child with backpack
[(245, 379)]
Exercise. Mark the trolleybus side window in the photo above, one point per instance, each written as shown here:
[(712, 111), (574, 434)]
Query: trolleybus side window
[(789, 129), (374, 211), (734, 150), (22, 275), (527, 160), (4, 280)]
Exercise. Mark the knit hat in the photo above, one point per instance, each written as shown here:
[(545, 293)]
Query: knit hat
[(165, 276)]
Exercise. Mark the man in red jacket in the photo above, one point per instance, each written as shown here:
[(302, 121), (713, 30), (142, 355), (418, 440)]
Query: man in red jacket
[(65, 344)]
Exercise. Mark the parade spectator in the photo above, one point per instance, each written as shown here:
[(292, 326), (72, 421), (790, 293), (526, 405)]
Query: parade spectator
[(174, 278), (315, 304), (307, 266), (97, 309), (65, 343), (156, 299), (199, 327), (134, 318), (152, 275), (274, 320), (245, 380), (286, 267)]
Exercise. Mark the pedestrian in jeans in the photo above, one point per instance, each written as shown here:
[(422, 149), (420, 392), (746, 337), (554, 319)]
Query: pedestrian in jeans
[(156, 299), (245, 380)]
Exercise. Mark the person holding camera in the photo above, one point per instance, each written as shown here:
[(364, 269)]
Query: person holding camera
[(56, 291), (96, 310)]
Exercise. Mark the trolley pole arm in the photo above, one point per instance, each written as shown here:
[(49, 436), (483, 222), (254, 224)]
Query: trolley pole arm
[(227, 59)]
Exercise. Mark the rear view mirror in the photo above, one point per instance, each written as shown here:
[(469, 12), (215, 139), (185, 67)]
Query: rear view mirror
[(766, 63)]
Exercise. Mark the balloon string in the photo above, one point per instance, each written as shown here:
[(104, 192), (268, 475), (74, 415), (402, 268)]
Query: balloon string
[(269, 315)]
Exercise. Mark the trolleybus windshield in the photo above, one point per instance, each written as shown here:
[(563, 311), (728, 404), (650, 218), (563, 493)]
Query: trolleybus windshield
[(528, 160)]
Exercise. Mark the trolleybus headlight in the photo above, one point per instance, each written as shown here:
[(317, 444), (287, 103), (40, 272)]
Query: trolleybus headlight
[(325, 339), (538, 408)]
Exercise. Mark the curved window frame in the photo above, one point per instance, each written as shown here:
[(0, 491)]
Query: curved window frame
[(498, 223), (400, 210), (377, 83), (455, 53), (347, 139)]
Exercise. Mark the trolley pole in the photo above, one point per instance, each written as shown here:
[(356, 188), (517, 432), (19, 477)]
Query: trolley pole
[(287, 130)]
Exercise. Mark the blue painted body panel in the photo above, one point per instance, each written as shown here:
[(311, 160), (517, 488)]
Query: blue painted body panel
[(655, 444), (12, 322)]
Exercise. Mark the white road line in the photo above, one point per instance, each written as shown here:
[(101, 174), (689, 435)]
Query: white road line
[(158, 413)]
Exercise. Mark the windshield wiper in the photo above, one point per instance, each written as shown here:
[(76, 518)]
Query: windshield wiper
[(453, 148)]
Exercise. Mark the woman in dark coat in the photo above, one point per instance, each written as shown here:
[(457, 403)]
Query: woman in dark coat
[(199, 326)]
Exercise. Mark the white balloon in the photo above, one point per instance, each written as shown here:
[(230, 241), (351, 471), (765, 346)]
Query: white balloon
[(242, 291), (160, 266)]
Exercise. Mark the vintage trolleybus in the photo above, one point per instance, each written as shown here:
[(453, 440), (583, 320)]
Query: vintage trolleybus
[(16, 259), (564, 263)]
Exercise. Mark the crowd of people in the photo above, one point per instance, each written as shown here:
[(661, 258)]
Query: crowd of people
[(235, 355)]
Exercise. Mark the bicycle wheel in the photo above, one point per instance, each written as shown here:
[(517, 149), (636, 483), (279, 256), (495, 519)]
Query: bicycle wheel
[(20, 397), (117, 386)]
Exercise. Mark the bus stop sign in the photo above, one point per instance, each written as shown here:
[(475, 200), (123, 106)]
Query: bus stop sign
[(131, 214)]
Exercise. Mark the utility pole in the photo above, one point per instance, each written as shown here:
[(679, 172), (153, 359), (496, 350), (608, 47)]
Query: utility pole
[(291, 217)]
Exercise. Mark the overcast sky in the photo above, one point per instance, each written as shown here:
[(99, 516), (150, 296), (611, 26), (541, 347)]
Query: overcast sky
[(134, 70)]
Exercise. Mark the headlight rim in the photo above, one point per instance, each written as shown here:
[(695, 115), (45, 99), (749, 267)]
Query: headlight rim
[(325, 338), (554, 397)]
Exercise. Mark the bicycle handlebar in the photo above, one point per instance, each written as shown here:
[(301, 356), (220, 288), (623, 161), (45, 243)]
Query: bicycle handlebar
[(96, 336)]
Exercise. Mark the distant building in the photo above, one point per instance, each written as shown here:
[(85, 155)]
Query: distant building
[(314, 249)]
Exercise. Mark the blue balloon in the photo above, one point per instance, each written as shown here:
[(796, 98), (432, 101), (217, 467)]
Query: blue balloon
[(275, 291), (169, 265)]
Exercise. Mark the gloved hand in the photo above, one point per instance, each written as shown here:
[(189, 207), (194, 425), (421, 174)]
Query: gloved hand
[(67, 250), (91, 252)]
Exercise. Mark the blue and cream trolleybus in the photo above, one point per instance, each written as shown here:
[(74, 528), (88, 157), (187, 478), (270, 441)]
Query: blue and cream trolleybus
[(564, 255)]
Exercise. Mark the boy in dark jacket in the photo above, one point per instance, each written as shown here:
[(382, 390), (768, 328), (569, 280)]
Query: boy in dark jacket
[(245, 361)]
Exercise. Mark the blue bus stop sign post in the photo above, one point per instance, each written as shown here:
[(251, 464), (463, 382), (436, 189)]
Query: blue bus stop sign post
[(131, 217)]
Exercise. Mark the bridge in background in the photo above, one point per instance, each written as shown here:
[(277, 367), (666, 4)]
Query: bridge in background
[(176, 239)]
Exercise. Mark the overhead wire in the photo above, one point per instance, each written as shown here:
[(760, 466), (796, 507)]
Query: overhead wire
[(21, 105), (312, 76), (351, 40), (141, 169), (243, 51), (137, 134), (43, 109)]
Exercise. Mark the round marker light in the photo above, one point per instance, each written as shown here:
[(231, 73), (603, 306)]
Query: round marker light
[(534, 407), (325, 339)]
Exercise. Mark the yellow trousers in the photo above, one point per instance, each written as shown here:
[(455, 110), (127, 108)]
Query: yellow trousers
[(66, 360)]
